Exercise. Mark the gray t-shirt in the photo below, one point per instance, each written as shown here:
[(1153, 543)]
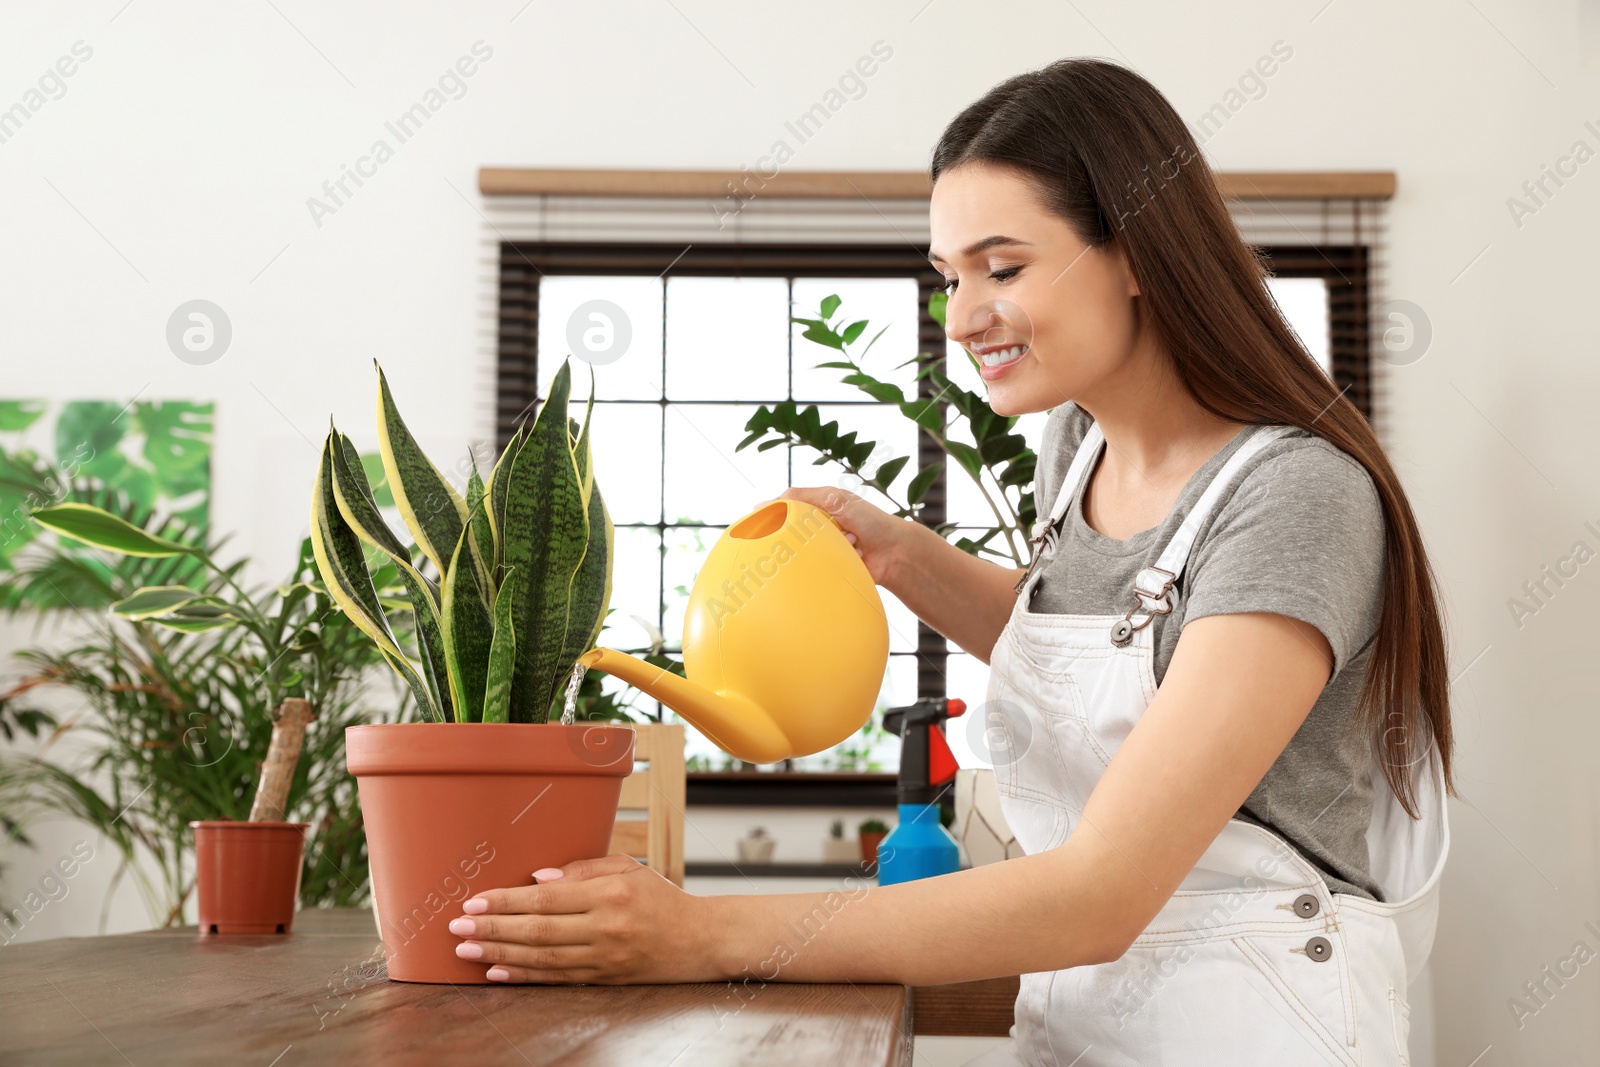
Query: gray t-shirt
[(1301, 533)]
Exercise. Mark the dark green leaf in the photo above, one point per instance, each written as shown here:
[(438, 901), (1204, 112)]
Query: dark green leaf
[(430, 506), (502, 658), (545, 538), (923, 482), (889, 470), (466, 628), (965, 455), (823, 336)]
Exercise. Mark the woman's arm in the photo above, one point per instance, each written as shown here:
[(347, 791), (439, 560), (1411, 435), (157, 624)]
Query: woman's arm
[(963, 597), (1236, 691)]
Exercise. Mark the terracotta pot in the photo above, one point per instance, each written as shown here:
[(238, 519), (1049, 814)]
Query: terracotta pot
[(248, 875), (452, 809), (869, 846)]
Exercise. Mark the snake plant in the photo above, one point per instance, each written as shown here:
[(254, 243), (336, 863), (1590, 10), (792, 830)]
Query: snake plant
[(523, 561)]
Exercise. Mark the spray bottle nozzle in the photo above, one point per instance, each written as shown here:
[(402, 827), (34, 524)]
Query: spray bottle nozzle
[(926, 762)]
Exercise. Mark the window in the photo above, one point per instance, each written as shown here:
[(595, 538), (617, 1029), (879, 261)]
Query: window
[(710, 341)]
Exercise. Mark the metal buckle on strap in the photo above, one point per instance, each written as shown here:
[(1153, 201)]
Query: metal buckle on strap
[(1154, 577), (1150, 588), (1044, 532)]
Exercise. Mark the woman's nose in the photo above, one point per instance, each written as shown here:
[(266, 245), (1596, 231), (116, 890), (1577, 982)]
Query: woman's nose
[(958, 320), (992, 322)]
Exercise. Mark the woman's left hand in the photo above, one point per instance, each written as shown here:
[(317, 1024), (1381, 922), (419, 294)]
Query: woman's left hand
[(610, 921)]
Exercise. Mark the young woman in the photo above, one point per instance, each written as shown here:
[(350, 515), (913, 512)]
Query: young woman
[(1222, 685)]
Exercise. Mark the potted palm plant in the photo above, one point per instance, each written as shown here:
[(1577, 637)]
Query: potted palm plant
[(488, 790)]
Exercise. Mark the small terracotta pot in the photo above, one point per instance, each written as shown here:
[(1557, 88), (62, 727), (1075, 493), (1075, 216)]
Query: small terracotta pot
[(248, 875), (452, 809), (869, 846)]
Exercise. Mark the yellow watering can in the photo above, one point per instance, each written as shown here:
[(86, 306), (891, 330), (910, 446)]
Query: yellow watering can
[(784, 642)]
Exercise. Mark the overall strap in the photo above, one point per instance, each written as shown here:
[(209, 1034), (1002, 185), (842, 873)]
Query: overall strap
[(1152, 584), (1046, 531)]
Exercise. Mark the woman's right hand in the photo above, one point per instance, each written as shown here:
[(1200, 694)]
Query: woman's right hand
[(878, 536), (964, 598)]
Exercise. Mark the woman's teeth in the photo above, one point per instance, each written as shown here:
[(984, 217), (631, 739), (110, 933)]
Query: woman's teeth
[(1005, 355)]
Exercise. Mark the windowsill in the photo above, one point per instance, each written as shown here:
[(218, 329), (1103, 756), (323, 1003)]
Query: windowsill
[(819, 789), (709, 869)]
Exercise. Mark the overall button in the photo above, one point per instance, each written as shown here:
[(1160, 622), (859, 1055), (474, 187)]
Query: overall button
[(1319, 949), (1306, 906), (1121, 632)]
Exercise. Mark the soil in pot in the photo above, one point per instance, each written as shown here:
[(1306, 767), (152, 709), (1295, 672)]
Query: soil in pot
[(247, 875), (453, 809)]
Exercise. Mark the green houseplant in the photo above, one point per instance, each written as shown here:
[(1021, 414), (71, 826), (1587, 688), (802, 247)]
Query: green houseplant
[(983, 444), (489, 789), (180, 677)]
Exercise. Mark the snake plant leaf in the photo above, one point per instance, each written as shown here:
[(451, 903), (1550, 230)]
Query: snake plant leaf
[(546, 535), (360, 510), (499, 486), (481, 548), (353, 496), (591, 585), (101, 529), (432, 509), (468, 629), (343, 567), (502, 658)]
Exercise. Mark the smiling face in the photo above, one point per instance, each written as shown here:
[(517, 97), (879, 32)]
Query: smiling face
[(1048, 318)]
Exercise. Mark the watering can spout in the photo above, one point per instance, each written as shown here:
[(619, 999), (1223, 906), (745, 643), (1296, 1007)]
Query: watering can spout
[(784, 639), (732, 722)]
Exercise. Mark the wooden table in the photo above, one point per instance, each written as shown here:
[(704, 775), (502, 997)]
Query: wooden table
[(320, 996)]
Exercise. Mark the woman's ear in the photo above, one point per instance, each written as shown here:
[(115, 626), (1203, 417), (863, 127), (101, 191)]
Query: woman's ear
[(1130, 283)]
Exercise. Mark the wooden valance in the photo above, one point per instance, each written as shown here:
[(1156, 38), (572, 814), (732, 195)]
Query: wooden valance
[(887, 184)]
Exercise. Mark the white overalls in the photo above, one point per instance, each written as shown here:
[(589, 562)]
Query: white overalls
[(1253, 961)]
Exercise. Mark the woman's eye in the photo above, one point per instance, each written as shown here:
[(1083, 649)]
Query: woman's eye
[(946, 286), (1005, 274)]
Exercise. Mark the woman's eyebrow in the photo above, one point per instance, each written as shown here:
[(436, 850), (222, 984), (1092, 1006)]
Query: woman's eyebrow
[(994, 240)]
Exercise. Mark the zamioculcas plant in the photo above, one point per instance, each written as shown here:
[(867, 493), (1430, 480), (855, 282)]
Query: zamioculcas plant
[(524, 562)]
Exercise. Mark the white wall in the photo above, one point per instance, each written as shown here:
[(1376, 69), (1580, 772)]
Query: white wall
[(179, 161)]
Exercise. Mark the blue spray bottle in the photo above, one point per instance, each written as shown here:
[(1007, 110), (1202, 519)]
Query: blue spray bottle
[(920, 846)]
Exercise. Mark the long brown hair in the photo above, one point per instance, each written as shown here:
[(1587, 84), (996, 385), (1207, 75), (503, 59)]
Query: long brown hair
[(1110, 155)]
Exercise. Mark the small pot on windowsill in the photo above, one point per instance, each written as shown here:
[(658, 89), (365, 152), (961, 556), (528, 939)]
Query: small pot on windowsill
[(756, 847), (836, 848), (870, 834), (840, 850)]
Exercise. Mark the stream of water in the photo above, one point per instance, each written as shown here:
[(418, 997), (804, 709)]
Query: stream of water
[(569, 709)]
